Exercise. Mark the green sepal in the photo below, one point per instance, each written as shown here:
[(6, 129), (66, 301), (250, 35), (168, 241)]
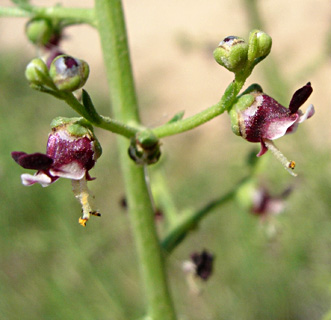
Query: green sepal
[(147, 139), (255, 87), (241, 103), (178, 116), (89, 106), (77, 126)]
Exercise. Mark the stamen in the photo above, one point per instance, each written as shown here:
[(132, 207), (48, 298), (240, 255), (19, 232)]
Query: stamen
[(81, 192), (288, 165)]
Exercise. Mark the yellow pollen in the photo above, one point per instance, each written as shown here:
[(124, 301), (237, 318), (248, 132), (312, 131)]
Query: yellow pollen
[(291, 164), (82, 222)]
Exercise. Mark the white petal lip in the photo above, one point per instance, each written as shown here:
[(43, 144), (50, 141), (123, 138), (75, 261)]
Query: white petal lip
[(302, 117), (72, 170), (278, 128), (41, 178), (308, 114)]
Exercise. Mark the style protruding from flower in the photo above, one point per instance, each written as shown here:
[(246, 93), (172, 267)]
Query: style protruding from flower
[(72, 150), (68, 73), (231, 53), (259, 118), (144, 148)]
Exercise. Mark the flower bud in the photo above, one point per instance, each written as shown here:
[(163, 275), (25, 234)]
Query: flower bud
[(68, 73), (39, 31), (231, 53), (259, 45), (36, 73), (144, 148)]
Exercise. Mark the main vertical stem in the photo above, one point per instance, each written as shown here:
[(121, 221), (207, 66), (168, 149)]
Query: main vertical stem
[(112, 32)]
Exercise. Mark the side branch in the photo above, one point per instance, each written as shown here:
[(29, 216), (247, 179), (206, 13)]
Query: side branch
[(71, 15)]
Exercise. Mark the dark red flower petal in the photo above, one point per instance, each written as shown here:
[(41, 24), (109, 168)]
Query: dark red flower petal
[(17, 154), (37, 161), (204, 264), (299, 97)]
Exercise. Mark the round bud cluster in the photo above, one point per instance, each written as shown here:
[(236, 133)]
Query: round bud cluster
[(235, 54)]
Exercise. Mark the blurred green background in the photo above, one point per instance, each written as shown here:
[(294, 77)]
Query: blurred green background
[(52, 268)]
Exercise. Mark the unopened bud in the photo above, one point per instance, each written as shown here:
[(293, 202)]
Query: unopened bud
[(39, 31), (68, 73), (259, 45), (36, 73), (144, 149), (232, 53)]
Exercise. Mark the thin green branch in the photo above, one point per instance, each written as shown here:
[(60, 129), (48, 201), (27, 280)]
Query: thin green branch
[(188, 223), (202, 117), (71, 15), (106, 123)]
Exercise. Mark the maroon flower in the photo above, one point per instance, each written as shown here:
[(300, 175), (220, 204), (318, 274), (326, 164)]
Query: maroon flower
[(264, 119), (201, 264), (71, 152), (265, 204)]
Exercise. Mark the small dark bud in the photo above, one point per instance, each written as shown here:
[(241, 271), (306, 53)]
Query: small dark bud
[(144, 148)]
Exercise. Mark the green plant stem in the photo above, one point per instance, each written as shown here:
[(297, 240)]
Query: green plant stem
[(202, 117), (188, 223), (74, 15), (106, 123), (112, 32)]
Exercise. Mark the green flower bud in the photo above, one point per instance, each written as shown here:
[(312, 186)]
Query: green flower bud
[(259, 45), (36, 73), (231, 53), (68, 73), (144, 148), (39, 31)]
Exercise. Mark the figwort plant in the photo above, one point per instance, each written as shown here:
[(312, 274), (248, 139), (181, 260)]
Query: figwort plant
[(72, 148)]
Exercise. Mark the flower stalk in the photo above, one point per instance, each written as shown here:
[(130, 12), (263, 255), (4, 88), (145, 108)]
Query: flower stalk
[(70, 15), (112, 32)]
